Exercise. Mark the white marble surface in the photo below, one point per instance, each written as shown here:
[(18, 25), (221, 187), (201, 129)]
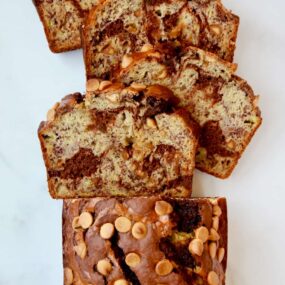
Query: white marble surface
[(32, 79)]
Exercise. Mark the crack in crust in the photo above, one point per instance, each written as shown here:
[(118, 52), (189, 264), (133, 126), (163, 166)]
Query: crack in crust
[(164, 240)]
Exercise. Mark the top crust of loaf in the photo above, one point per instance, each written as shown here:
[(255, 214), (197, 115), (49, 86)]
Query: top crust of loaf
[(114, 28), (223, 104), (62, 21), (119, 141), (190, 234)]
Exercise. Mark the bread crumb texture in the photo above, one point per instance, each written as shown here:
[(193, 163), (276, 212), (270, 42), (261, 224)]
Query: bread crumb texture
[(223, 104), (119, 142)]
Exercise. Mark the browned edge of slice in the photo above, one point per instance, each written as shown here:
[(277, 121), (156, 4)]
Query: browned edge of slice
[(52, 45)]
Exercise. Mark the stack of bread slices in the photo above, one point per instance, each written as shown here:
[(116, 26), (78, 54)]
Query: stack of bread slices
[(162, 98)]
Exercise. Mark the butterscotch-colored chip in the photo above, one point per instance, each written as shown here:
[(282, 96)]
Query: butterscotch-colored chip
[(215, 224), (214, 236), (163, 267), (85, 220), (107, 230), (104, 267), (163, 208), (104, 84), (68, 276), (81, 250), (139, 230), (221, 254), (132, 259), (121, 282), (146, 47), (217, 211), (126, 61), (138, 86), (92, 85), (216, 29), (202, 233), (123, 224), (151, 123), (213, 249), (213, 278), (196, 247)]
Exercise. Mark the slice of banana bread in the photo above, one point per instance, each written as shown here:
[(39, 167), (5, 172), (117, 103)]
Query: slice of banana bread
[(145, 241), (114, 28), (118, 142), (62, 20), (223, 104)]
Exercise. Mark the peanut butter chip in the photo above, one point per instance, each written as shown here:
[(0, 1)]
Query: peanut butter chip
[(81, 250), (217, 211), (123, 224), (215, 224), (139, 230), (214, 236), (196, 247), (92, 85), (213, 278), (107, 231), (68, 276), (104, 267), (133, 259), (121, 282), (221, 254), (85, 220), (202, 233), (163, 208), (213, 249), (163, 267)]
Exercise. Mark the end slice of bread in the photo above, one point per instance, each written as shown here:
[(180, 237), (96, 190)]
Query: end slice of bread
[(119, 142), (62, 21), (114, 28), (223, 104)]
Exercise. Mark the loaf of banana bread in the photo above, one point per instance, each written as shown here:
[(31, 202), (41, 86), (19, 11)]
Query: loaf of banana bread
[(223, 104), (119, 141), (145, 241), (114, 28)]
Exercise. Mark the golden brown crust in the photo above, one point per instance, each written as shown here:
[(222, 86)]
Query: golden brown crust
[(169, 232), (56, 45)]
